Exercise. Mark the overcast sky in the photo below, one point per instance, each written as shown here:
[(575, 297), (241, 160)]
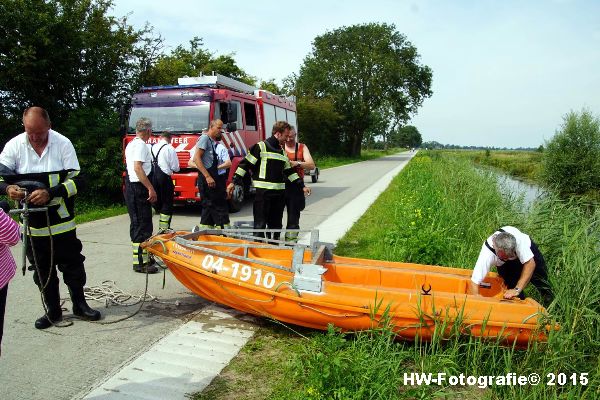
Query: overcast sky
[(504, 72)]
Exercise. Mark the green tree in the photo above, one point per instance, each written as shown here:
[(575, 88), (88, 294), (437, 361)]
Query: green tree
[(432, 145), (79, 63), (193, 61), (318, 125), (100, 153), (571, 161), (364, 69), (271, 86), (64, 55), (407, 136)]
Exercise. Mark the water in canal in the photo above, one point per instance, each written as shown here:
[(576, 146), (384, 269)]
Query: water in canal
[(516, 189)]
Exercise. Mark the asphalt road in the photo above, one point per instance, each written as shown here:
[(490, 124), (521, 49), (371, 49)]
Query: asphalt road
[(65, 363)]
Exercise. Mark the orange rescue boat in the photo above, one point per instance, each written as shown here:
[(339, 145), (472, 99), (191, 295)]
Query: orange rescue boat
[(309, 286)]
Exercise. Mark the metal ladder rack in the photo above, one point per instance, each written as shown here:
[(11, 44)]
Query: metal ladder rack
[(307, 277)]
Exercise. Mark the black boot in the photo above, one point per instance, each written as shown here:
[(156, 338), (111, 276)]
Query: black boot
[(46, 321), (52, 300), (80, 306)]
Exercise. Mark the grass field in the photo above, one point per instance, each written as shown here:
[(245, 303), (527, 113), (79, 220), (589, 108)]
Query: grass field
[(439, 210)]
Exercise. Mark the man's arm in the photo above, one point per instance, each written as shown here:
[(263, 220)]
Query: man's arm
[(174, 161), (290, 172), (251, 159), (308, 163), (191, 163), (8, 159), (201, 168), (526, 274), (473, 288), (481, 269), (225, 164), (69, 186), (141, 175), (224, 155)]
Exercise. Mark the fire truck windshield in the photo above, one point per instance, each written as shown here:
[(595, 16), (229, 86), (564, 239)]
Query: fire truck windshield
[(192, 118)]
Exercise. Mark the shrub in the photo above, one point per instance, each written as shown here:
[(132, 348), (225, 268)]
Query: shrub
[(94, 134), (319, 126), (571, 162)]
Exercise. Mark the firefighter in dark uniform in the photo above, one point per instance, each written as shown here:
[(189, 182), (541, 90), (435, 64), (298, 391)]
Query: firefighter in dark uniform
[(47, 161), (301, 159), (270, 168), (211, 185), (140, 194), (164, 163)]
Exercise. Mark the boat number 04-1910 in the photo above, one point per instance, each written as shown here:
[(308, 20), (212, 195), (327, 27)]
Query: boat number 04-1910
[(242, 272)]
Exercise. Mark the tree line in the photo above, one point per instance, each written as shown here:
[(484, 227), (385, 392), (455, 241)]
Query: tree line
[(81, 63)]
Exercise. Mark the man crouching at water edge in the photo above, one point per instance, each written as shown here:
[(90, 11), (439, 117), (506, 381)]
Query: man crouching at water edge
[(518, 261)]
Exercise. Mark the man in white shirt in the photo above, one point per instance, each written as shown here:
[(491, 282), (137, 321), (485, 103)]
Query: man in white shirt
[(164, 162), (223, 157), (43, 162), (140, 194), (518, 261), (223, 169)]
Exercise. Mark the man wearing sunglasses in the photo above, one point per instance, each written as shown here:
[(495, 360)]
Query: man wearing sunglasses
[(518, 261)]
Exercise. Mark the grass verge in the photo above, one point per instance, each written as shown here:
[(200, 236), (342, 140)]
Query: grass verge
[(86, 211), (439, 210), (271, 348)]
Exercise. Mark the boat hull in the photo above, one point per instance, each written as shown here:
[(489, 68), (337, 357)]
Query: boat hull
[(417, 301)]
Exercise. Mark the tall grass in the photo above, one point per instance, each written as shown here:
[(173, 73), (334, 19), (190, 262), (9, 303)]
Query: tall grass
[(439, 210), (526, 165)]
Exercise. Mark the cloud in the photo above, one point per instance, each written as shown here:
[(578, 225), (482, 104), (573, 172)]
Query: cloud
[(504, 73)]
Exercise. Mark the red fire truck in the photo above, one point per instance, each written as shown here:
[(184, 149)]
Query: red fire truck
[(186, 109)]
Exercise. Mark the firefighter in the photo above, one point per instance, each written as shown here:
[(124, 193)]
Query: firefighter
[(518, 261), (47, 160), (140, 194), (270, 169), (300, 160), (164, 163), (211, 186)]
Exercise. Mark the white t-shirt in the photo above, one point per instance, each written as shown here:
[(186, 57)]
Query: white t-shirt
[(487, 258), (222, 156), (19, 156), (167, 156), (137, 150)]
